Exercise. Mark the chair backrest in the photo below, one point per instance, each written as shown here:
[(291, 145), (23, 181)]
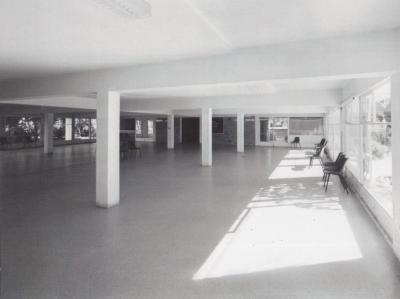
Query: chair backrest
[(341, 163), (339, 156), (296, 139)]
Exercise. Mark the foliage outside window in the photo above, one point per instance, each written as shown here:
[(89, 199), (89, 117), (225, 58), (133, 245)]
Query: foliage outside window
[(377, 147), (24, 129), (59, 128)]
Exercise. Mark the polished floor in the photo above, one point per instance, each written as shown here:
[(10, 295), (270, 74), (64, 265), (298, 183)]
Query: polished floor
[(255, 225)]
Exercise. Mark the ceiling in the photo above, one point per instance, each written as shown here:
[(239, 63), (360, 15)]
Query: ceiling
[(42, 37), (237, 89)]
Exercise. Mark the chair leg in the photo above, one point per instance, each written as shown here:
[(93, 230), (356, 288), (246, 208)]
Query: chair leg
[(327, 182)]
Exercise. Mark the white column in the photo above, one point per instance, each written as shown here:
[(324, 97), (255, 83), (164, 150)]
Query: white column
[(257, 128), (170, 131), (68, 128), (107, 149), (240, 132), (206, 136), (2, 126), (48, 133), (395, 104)]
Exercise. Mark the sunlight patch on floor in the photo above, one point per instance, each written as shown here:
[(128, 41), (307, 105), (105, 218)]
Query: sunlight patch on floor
[(296, 165), (286, 224)]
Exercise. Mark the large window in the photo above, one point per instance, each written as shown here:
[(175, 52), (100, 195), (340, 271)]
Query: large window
[(138, 127), (333, 132), (150, 127), (23, 129), (85, 128), (353, 136), (377, 149), (306, 126), (367, 136)]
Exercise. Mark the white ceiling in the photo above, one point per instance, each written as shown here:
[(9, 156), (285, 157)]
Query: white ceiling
[(237, 89), (41, 37)]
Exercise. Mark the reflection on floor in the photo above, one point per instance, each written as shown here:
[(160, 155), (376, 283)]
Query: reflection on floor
[(288, 223), (292, 241)]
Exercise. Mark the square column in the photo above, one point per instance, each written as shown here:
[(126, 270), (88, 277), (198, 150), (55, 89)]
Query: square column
[(48, 133), (170, 131), (257, 130), (395, 102), (206, 136), (107, 149), (240, 132)]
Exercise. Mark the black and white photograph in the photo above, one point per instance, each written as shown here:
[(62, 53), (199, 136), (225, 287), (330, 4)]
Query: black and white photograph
[(200, 149)]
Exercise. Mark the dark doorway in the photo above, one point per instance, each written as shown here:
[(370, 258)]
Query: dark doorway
[(190, 130)]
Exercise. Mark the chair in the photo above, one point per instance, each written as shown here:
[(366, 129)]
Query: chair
[(320, 144), (295, 142), (124, 148), (330, 165), (134, 147), (317, 155), (338, 170)]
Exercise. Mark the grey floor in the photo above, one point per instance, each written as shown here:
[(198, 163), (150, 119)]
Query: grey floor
[(255, 225)]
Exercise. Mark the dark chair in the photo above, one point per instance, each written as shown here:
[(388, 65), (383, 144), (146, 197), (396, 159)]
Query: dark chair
[(332, 164), (295, 142), (320, 144), (337, 170), (124, 148), (316, 155), (135, 148)]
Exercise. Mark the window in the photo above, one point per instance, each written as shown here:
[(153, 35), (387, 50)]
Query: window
[(333, 132), (217, 125), (23, 129), (138, 127), (306, 126), (93, 128), (150, 128), (82, 128), (59, 128), (353, 137), (377, 150)]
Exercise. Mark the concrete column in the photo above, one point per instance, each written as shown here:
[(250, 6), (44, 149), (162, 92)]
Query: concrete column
[(395, 106), (170, 131), (68, 128), (2, 126), (107, 149), (240, 132), (48, 133), (257, 128), (206, 136)]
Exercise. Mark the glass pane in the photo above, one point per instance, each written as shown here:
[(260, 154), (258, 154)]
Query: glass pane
[(82, 128), (59, 128), (306, 126), (93, 128), (138, 127), (150, 128)]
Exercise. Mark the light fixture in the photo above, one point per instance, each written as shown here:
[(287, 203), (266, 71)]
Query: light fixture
[(135, 9)]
